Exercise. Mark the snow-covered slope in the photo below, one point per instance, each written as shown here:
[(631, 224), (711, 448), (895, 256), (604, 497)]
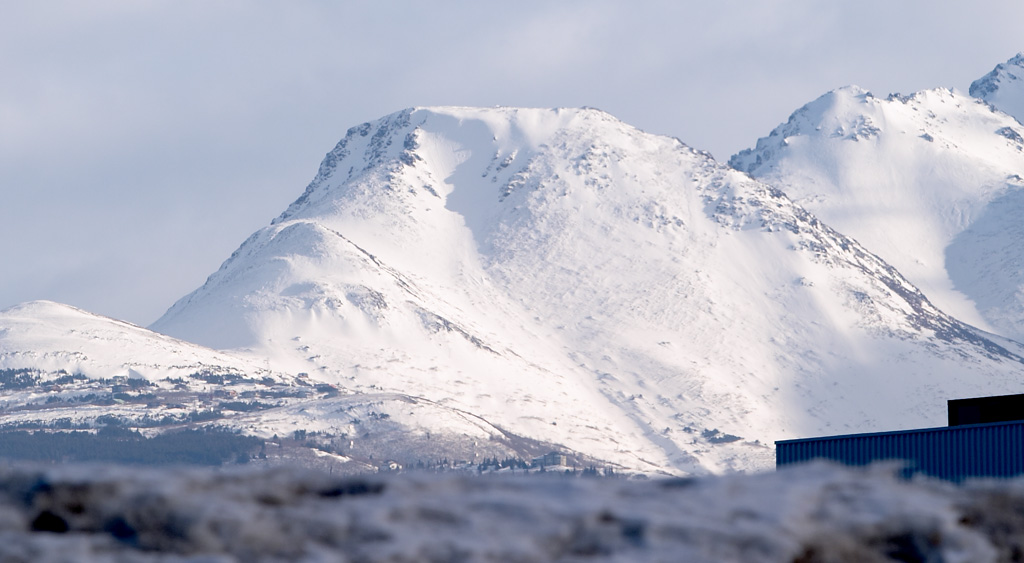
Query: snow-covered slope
[(54, 338), (64, 368), (931, 182), (1003, 88), (569, 278)]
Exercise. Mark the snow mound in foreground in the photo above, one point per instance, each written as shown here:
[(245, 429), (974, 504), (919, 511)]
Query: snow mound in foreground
[(815, 512)]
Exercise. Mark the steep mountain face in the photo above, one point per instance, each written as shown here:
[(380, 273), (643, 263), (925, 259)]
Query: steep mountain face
[(931, 182), (570, 279), (1003, 88)]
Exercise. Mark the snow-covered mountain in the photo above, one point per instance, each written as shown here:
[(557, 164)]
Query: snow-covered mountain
[(931, 182), (568, 278), (1003, 88)]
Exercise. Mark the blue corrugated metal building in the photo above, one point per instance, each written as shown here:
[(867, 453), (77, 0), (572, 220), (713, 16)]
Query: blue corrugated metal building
[(991, 448)]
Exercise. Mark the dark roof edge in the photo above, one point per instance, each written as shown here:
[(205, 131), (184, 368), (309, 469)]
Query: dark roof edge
[(897, 432)]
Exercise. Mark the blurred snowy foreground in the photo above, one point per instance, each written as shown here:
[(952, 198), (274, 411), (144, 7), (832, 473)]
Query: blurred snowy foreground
[(807, 513)]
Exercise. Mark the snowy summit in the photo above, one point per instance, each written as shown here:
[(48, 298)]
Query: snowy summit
[(1003, 87)]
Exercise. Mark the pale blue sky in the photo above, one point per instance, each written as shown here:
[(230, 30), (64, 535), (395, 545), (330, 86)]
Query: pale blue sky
[(142, 141)]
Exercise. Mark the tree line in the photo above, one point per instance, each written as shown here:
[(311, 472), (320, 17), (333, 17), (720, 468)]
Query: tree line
[(203, 446)]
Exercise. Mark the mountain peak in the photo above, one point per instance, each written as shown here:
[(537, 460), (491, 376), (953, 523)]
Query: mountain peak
[(39, 306), (1003, 87), (851, 113), (1010, 71), (403, 138), (844, 113), (852, 90), (920, 179), (59, 313)]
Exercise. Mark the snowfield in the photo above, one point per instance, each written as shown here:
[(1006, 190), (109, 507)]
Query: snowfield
[(815, 512), (53, 337)]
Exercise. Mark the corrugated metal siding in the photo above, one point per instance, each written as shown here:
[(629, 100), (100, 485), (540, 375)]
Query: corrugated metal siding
[(952, 453)]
